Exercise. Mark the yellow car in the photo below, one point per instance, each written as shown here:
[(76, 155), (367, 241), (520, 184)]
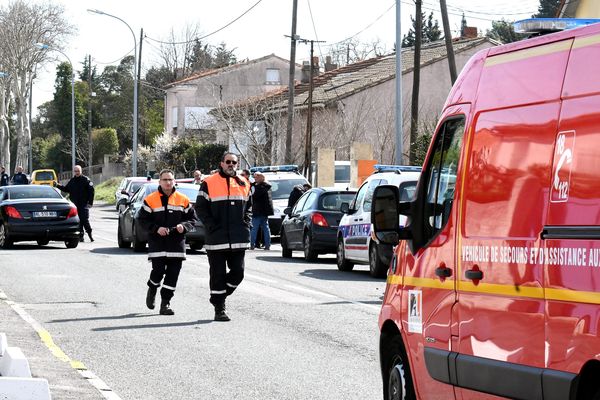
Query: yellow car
[(43, 177)]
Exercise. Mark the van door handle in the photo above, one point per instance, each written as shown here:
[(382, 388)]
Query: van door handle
[(443, 272), (474, 274)]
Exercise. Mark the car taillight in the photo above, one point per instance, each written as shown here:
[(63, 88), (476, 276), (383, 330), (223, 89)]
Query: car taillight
[(72, 212), (319, 219), (12, 212)]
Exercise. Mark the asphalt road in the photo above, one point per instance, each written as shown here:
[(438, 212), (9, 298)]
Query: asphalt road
[(299, 330)]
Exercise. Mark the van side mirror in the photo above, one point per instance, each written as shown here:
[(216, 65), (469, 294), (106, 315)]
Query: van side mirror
[(125, 192), (385, 215), (287, 210), (345, 208)]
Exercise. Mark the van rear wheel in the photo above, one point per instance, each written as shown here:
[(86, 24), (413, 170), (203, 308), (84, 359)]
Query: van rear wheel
[(376, 267), (342, 263)]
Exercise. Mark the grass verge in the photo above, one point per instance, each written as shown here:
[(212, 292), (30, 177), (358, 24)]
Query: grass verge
[(106, 190)]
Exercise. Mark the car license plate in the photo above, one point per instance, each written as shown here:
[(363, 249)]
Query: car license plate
[(44, 214)]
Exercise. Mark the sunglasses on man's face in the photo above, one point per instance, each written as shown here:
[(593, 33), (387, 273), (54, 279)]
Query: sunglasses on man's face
[(230, 162)]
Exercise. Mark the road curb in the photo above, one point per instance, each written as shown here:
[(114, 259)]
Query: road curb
[(16, 382)]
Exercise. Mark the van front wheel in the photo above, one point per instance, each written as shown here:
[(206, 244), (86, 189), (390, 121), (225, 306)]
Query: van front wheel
[(399, 383), (342, 263)]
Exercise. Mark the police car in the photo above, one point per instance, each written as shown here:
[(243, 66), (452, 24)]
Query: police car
[(282, 178), (354, 242)]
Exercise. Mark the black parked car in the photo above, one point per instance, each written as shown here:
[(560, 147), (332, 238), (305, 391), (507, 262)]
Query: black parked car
[(130, 231), (36, 212), (311, 225)]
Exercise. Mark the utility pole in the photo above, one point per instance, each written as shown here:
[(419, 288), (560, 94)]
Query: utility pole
[(448, 38), (398, 125), (30, 155), (139, 72), (308, 144), (290, 116), (90, 159), (414, 106)]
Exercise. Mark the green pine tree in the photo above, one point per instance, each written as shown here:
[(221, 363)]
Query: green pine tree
[(430, 31), (547, 9)]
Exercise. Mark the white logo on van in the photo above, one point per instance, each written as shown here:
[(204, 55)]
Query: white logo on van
[(561, 166)]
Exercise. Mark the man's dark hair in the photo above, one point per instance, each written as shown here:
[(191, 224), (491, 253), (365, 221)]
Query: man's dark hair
[(227, 153), (165, 171)]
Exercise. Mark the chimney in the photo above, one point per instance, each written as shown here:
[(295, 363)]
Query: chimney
[(469, 32), (329, 66), (305, 71)]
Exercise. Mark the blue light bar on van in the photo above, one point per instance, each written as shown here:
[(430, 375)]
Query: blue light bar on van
[(546, 25), (396, 168), (275, 168)]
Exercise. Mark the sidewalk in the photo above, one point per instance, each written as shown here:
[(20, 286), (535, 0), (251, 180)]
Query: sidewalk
[(65, 382)]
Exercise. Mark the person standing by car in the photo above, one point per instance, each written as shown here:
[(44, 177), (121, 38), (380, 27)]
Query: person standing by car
[(19, 178), (262, 207), (3, 177), (224, 205), (167, 215), (81, 193), (197, 177), (297, 192)]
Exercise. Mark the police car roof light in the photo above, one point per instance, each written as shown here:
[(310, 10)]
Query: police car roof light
[(275, 168), (548, 25), (396, 168)]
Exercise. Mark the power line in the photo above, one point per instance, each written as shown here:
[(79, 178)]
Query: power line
[(209, 34), (112, 62), (364, 29)]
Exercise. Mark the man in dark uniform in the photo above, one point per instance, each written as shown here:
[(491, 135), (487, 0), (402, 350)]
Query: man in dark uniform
[(223, 205), (167, 215), (81, 193), (19, 178), (3, 177)]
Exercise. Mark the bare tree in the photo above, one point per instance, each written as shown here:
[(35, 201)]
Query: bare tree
[(176, 53), (22, 25), (351, 51), (4, 128)]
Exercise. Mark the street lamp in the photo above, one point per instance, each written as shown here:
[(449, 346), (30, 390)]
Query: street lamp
[(44, 47), (135, 90)]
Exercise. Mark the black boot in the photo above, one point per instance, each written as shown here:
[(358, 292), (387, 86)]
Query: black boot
[(150, 296), (81, 239), (90, 236), (220, 314), (165, 308)]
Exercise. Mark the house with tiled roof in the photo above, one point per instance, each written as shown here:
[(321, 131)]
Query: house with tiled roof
[(579, 9), (189, 101), (356, 103)]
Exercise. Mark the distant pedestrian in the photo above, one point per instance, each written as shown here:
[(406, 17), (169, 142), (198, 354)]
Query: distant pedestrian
[(19, 178), (246, 174), (297, 192), (4, 178), (262, 207), (81, 193), (167, 215), (224, 205), (197, 177)]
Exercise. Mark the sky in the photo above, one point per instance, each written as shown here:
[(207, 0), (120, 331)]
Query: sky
[(257, 33)]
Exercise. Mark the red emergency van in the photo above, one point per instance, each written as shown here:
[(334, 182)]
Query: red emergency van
[(494, 291)]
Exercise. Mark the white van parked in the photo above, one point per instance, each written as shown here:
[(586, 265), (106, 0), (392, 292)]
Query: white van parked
[(354, 242)]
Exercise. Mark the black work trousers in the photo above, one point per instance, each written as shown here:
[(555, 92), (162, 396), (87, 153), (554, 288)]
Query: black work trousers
[(84, 220), (223, 283), (168, 268)]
